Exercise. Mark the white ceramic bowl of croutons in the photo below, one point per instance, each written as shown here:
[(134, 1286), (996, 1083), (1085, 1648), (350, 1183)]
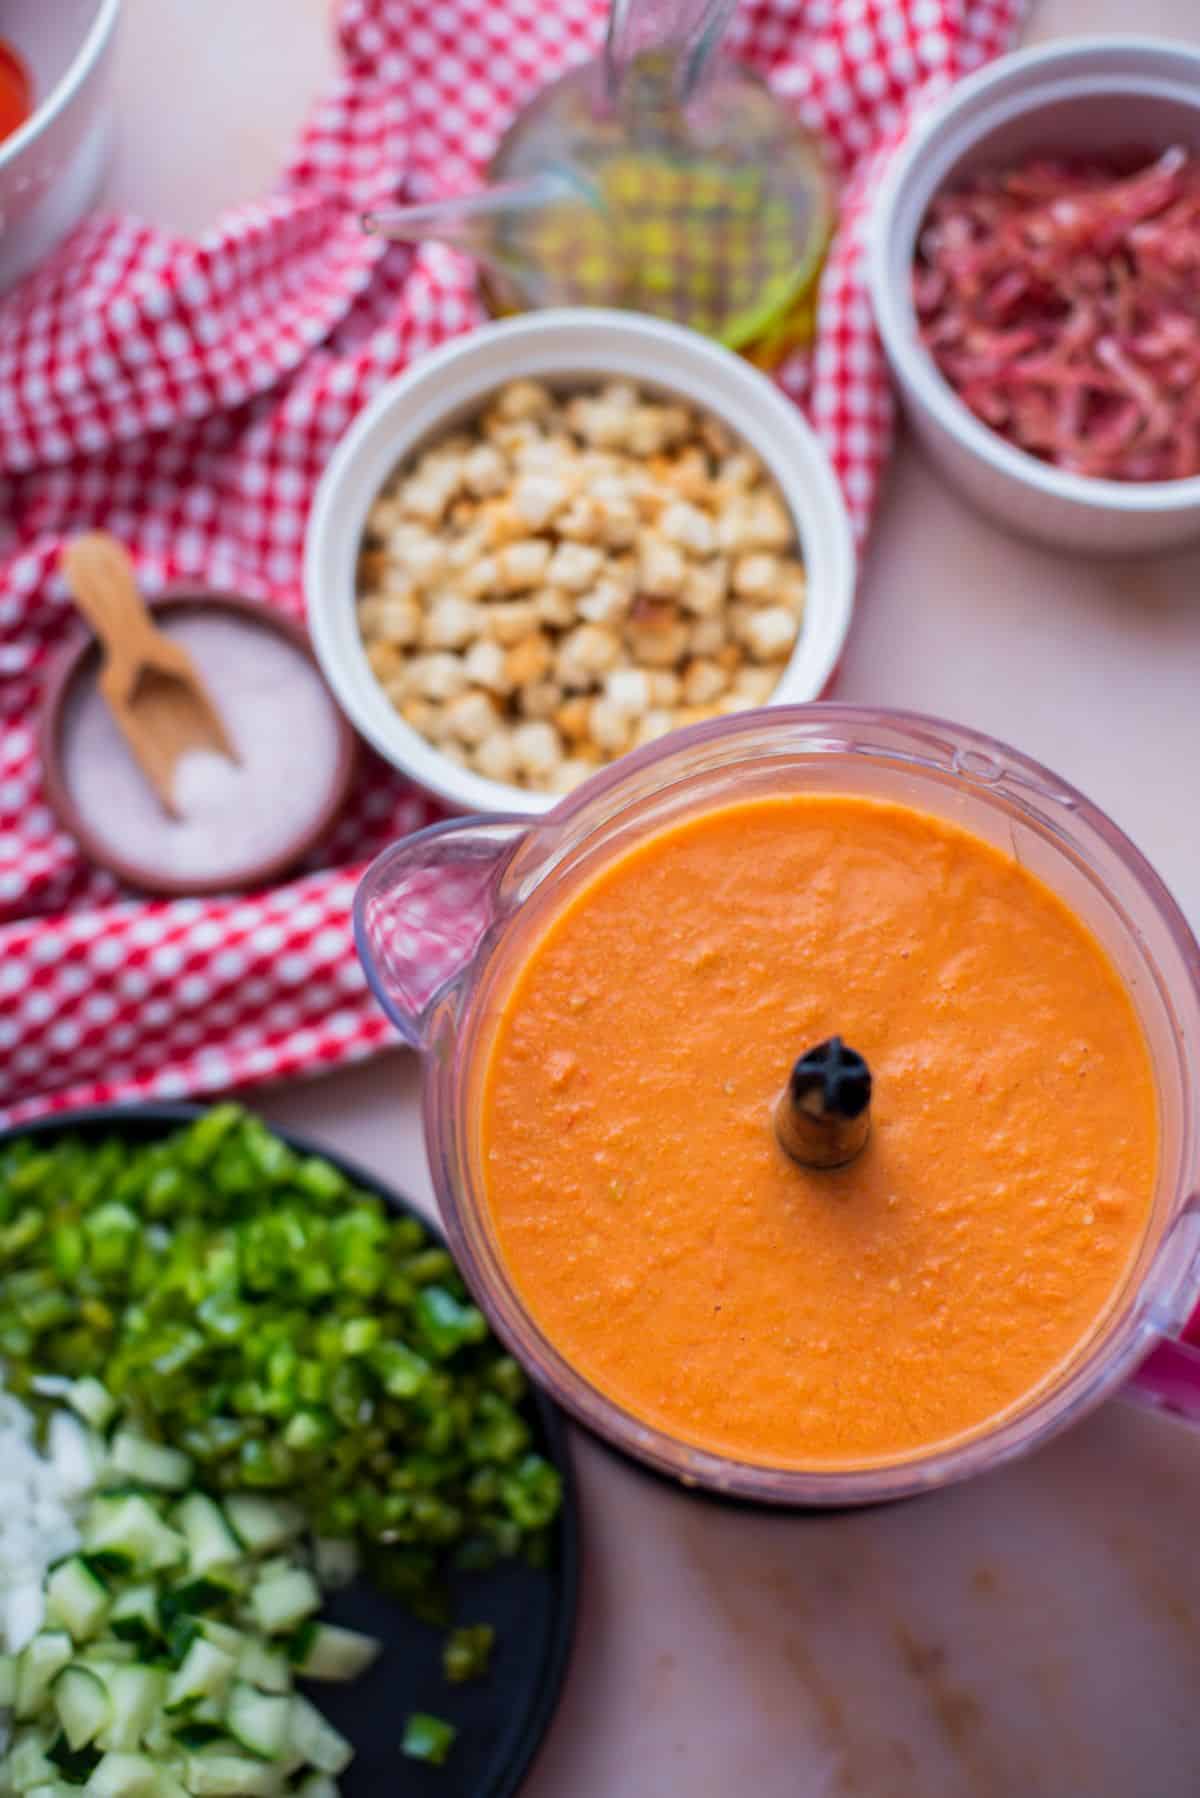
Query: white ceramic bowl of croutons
[(570, 352)]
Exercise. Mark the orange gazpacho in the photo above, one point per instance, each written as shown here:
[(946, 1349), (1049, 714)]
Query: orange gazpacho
[(699, 1277)]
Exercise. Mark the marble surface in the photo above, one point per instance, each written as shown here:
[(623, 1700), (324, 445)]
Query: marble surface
[(1037, 1633)]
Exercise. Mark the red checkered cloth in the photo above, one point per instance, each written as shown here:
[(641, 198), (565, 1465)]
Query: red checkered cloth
[(186, 397)]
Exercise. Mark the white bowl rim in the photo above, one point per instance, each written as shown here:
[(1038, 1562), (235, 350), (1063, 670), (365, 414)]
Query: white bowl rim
[(404, 747), (68, 84), (893, 314)]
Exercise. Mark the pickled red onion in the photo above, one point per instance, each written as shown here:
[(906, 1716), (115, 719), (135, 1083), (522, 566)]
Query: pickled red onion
[(1061, 301)]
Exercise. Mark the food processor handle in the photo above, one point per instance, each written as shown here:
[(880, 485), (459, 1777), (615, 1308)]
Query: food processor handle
[(1169, 1380), (421, 910)]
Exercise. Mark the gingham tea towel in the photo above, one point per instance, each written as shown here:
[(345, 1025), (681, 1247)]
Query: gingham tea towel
[(185, 395)]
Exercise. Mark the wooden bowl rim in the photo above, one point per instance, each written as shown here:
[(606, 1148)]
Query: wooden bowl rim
[(67, 668)]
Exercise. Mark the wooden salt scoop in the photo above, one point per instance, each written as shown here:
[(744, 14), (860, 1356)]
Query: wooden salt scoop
[(150, 684), (823, 1115)]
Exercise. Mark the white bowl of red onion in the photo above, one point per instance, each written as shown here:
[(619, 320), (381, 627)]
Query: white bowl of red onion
[(1034, 264)]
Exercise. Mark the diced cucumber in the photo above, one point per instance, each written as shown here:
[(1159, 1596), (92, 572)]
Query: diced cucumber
[(275, 1564), (259, 1722), (283, 1597), (211, 1543), (263, 1524), (205, 1673), (109, 1563), (104, 1657), (315, 1740), (159, 1739), (38, 1665), (267, 1668), (60, 1789), (75, 1599), (153, 1463), (207, 1710), (133, 1776), (336, 1562), (136, 1695), (131, 1526), (83, 1705), (223, 1636), (227, 1722), (134, 1615), (92, 1401), (213, 1591), (178, 1633), (26, 1765), (328, 1652), (214, 1773), (190, 1736)]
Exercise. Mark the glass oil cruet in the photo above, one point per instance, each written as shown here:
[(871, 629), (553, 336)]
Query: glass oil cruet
[(662, 177)]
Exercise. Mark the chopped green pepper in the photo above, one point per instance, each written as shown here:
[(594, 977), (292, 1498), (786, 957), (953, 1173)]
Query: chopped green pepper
[(256, 1309), (467, 1652), (428, 1738)]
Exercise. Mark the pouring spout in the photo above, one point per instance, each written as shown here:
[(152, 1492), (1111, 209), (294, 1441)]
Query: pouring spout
[(470, 221), (511, 229)]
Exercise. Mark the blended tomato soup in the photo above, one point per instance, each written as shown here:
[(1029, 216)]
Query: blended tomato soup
[(694, 1273)]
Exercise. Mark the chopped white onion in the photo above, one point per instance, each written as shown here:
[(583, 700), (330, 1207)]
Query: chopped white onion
[(71, 1456), (37, 1495), (51, 1385)]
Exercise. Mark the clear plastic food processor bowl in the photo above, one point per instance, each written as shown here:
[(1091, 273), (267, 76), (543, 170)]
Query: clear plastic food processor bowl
[(440, 916)]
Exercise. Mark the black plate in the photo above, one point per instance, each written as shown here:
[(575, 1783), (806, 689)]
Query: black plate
[(501, 1719)]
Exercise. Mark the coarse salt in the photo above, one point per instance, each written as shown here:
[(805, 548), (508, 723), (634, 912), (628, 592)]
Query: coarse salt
[(283, 725)]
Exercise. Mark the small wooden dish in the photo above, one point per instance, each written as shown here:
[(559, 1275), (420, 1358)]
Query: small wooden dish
[(82, 653)]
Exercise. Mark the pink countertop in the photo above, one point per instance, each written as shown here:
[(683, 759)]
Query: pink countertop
[(1038, 1633)]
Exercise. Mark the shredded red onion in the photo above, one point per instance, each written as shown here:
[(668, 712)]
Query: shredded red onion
[(1062, 303)]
